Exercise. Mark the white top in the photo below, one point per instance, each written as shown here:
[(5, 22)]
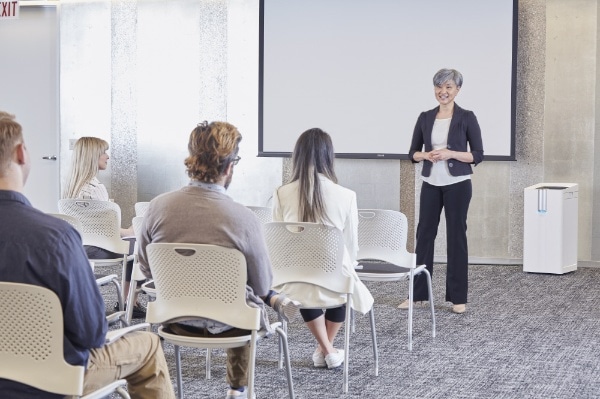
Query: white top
[(342, 212), (440, 175), (94, 190)]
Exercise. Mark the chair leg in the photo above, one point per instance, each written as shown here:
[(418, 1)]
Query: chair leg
[(126, 321), (374, 339), (119, 294), (347, 343), (252, 364), (284, 328), (123, 273), (283, 343), (410, 308), (430, 302), (131, 298), (178, 370), (208, 361)]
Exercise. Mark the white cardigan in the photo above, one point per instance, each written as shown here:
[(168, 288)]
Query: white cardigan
[(342, 212)]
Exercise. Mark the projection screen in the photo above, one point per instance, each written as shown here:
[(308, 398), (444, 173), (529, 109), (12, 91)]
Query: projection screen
[(362, 71)]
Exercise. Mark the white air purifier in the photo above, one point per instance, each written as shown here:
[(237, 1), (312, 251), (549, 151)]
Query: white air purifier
[(550, 228)]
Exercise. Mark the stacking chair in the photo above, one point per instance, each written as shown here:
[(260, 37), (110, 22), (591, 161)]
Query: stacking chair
[(313, 253), (101, 279), (206, 281), (32, 343), (264, 213), (141, 208), (100, 227), (383, 256)]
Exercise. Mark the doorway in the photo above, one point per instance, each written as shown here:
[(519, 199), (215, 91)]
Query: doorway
[(30, 90)]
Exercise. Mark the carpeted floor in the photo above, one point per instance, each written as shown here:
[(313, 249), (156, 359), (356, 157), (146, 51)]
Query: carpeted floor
[(523, 336)]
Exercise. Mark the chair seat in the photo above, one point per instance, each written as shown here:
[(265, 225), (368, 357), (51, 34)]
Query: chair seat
[(381, 268), (208, 342), (384, 271)]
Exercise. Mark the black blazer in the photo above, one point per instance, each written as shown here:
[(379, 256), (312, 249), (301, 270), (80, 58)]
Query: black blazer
[(464, 129)]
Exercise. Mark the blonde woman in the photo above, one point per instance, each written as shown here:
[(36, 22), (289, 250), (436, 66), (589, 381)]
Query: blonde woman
[(89, 157)]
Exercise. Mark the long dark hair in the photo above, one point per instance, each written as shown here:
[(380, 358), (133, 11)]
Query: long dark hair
[(313, 154)]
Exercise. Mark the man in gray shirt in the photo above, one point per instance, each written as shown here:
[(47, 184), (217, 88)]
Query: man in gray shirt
[(203, 213)]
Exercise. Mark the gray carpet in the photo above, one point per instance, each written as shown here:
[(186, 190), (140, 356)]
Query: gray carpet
[(523, 336)]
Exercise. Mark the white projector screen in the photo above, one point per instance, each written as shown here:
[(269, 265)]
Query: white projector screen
[(362, 71)]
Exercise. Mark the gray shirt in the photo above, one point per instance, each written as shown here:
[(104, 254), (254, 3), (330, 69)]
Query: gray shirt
[(204, 214)]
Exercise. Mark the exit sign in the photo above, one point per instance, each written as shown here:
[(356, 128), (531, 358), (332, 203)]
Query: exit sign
[(9, 9)]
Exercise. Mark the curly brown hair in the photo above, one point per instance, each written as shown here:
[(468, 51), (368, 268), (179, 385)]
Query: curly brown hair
[(212, 147)]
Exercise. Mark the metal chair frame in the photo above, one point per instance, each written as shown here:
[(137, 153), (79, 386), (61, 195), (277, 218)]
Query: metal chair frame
[(313, 253), (382, 253), (206, 281)]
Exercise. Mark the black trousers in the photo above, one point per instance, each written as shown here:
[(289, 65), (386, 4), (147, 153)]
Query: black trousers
[(455, 200)]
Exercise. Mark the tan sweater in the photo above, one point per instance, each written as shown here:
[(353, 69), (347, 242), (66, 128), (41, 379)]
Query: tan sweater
[(198, 215)]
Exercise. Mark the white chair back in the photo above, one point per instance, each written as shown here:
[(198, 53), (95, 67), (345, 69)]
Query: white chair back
[(307, 252), (263, 213), (137, 222), (100, 223), (311, 253), (31, 340), (206, 281), (199, 280), (382, 235), (141, 208)]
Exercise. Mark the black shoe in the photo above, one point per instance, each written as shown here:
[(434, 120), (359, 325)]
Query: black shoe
[(139, 312)]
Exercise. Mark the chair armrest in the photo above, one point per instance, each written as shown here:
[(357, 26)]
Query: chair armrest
[(116, 316), (113, 335)]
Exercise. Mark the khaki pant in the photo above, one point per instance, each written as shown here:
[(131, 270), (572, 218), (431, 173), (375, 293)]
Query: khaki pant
[(136, 357), (237, 358)]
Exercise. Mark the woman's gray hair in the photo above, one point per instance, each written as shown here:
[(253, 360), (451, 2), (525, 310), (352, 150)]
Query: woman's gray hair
[(444, 75)]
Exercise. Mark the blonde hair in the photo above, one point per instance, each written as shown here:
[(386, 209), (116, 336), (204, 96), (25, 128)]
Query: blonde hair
[(84, 164), (212, 148), (11, 134)]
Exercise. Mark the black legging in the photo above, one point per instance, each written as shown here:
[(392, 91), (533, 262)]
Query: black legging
[(335, 315)]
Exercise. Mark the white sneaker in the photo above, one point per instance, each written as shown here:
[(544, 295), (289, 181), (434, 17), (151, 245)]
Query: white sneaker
[(319, 359), (416, 304), (334, 360), (235, 394)]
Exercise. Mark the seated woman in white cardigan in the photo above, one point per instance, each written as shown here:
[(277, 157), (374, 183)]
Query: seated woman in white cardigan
[(314, 196)]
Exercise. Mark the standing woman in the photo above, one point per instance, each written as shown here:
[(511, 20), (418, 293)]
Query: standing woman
[(447, 139), (314, 196), (90, 157)]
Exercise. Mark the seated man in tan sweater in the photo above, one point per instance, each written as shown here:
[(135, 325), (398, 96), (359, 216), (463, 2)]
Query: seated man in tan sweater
[(203, 213)]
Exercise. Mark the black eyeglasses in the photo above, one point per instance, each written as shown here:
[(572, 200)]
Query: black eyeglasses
[(236, 160)]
